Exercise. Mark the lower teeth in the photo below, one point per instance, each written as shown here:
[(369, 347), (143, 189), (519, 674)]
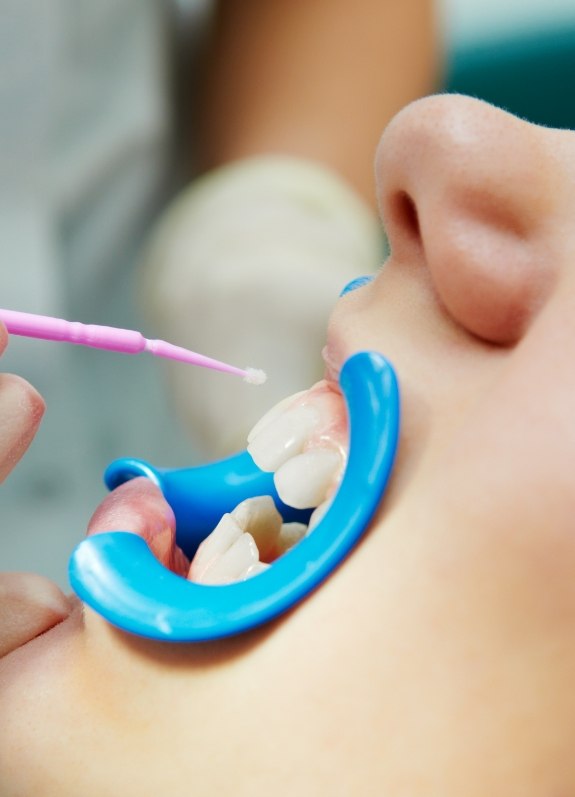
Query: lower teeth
[(244, 543)]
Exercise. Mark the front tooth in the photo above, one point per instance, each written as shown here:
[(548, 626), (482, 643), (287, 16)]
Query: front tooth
[(274, 413), (304, 480), (283, 437), (260, 518), (226, 533), (235, 564)]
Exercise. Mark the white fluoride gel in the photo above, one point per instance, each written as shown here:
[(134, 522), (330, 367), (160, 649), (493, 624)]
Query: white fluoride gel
[(255, 376)]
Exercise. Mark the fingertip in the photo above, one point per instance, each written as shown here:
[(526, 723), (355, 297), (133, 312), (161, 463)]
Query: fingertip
[(21, 411), (3, 337), (22, 394)]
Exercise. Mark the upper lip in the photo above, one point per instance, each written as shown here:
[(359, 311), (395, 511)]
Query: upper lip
[(332, 363)]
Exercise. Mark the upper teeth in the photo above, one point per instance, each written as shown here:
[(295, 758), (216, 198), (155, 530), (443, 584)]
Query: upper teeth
[(304, 480), (283, 437), (304, 440)]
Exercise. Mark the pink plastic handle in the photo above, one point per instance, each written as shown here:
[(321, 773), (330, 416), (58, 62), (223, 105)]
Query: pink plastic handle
[(49, 328)]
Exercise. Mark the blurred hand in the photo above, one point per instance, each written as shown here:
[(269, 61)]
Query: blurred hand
[(21, 410), (29, 603), (245, 267)]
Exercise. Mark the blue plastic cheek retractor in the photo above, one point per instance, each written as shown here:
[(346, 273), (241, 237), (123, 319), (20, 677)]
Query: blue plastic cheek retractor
[(118, 576)]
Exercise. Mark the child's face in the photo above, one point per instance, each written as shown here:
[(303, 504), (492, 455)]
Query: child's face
[(439, 659)]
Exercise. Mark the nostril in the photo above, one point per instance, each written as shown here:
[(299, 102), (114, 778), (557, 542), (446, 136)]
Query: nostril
[(408, 210), (405, 218)]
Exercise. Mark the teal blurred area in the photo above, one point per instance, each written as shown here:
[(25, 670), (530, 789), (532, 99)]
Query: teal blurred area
[(531, 75)]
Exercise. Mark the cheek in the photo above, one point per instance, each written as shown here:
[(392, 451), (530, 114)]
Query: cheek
[(504, 485), (479, 611), (495, 542)]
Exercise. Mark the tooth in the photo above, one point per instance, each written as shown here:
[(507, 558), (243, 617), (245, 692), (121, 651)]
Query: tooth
[(235, 564), (290, 534), (274, 413), (258, 567), (318, 514), (214, 546), (283, 438), (305, 479), (260, 518)]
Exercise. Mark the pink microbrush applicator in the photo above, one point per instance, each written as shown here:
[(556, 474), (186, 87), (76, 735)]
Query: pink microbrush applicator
[(127, 341)]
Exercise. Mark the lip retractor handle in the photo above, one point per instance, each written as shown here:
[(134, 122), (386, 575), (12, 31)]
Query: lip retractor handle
[(118, 576)]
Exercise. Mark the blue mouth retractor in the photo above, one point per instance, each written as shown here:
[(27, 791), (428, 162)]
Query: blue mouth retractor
[(118, 576)]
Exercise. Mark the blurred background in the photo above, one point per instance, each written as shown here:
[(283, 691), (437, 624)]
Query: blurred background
[(89, 153)]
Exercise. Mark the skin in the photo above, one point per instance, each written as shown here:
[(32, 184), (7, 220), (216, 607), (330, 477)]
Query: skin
[(438, 659)]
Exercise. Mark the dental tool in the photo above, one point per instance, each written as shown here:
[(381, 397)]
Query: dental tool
[(125, 341), (118, 576)]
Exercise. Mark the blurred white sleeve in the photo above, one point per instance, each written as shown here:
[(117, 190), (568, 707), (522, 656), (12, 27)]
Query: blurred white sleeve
[(245, 266)]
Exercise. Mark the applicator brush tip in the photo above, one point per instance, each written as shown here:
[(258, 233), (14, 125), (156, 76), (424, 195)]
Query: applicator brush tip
[(254, 376)]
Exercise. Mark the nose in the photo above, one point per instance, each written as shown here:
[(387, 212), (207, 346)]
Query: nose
[(465, 190)]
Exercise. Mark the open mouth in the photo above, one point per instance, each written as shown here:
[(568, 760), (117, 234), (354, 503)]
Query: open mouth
[(303, 441), (227, 518)]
